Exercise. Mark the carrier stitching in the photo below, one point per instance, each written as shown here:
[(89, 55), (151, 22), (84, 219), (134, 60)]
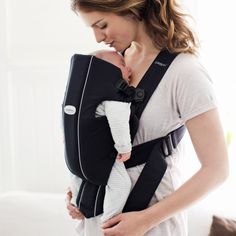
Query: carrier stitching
[(95, 207), (81, 196)]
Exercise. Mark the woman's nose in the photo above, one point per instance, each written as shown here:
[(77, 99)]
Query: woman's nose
[(100, 36)]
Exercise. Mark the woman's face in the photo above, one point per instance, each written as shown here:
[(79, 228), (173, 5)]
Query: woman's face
[(115, 31)]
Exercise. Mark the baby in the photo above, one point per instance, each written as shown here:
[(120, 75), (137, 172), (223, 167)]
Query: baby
[(117, 113)]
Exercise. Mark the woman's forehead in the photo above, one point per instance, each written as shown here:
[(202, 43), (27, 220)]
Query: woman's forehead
[(91, 18)]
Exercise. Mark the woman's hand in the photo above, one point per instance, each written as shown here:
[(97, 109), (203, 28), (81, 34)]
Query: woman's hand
[(74, 212), (126, 224)]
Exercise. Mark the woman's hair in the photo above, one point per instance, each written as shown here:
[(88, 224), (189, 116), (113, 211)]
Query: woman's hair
[(165, 23)]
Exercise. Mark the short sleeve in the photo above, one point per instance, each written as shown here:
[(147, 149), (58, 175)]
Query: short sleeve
[(194, 91)]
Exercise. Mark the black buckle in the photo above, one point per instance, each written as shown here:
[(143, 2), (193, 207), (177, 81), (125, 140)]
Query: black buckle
[(135, 94), (122, 85), (139, 95), (167, 145)]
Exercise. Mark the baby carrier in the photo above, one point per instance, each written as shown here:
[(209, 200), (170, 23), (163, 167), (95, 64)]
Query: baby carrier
[(89, 147)]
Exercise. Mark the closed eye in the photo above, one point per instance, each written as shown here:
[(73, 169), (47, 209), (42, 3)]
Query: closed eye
[(103, 26)]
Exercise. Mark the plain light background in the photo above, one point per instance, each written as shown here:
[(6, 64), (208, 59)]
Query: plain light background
[(37, 39)]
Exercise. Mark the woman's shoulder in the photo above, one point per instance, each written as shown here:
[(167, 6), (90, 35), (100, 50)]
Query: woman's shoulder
[(192, 86), (188, 68), (186, 61)]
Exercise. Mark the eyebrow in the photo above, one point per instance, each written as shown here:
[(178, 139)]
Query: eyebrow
[(96, 22)]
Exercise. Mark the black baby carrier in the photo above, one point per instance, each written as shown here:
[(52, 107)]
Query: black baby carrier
[(89, 147)]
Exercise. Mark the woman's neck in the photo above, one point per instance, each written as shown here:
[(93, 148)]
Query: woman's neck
[(143, 45)]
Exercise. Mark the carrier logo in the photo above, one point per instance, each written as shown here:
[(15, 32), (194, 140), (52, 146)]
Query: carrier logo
[(70, 110), (160, 63)]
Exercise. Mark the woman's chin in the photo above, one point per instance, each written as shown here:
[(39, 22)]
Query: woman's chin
[(119, 48)]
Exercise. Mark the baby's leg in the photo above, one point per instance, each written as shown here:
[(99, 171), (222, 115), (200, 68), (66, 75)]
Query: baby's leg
[(117, 191)]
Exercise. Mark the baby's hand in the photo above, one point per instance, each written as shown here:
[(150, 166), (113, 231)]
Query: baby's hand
[(123, 157)]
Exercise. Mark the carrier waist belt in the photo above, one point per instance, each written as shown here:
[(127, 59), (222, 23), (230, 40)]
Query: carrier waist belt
[(153, 153), (167, 144)]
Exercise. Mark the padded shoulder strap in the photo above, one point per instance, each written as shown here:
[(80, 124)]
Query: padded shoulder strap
[(156, 165), (153, 77), (149, 83)]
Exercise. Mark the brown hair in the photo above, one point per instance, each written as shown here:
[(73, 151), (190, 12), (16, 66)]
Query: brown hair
[(164, 21)]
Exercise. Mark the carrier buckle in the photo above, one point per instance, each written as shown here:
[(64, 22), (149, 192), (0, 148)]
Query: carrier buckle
[(122, 85), (135, 94), (167, 145), (139, 95)]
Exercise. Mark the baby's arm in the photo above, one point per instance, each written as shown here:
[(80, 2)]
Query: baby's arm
[(118, 115)]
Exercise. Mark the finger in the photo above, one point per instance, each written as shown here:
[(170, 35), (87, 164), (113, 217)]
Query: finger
[(69, 193), (73, 212), (79, 217), (123, 159), (76, 215), (71, 207), (126, 157), (68, 197), (76, 211), (109, 232), (120, 160), (112, 222)]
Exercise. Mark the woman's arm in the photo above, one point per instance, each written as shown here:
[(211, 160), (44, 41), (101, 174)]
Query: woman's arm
[(208, 139)]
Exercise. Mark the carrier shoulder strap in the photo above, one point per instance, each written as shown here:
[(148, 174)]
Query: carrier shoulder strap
[(156, 165), (153, 77)]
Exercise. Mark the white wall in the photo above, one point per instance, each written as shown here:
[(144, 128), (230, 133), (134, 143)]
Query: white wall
[(4, 115), (36, 43)]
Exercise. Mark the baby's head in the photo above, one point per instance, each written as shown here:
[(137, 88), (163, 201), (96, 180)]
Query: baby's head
[(115, 59)]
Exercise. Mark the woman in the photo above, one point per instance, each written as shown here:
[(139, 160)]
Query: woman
[(141, 29)]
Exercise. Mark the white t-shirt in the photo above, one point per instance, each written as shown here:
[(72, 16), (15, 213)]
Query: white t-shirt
[(184, 92)]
